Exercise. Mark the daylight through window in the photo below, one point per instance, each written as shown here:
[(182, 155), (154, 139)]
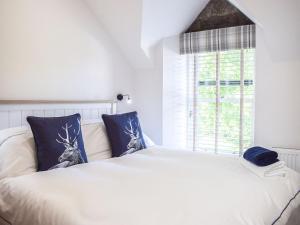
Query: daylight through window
[(221, 100)]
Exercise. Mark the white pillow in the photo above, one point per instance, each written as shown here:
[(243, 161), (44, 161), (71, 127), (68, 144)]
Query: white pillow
[(149, 143), (95, 140), (17, 152)]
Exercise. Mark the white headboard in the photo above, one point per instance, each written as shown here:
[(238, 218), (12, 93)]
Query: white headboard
[(14, 113)]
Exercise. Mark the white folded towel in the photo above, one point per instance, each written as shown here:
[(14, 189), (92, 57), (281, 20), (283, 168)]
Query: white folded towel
[(277, 169)]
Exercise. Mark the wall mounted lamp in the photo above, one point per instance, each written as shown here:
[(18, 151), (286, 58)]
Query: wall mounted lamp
[(120, 97)]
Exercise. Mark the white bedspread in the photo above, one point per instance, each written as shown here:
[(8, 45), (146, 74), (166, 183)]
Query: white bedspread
[(150, 187)]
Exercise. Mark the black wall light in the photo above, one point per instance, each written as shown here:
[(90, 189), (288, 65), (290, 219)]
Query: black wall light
[(120, 97)]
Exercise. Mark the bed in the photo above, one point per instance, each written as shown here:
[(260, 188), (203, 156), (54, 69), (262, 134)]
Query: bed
[(155, 186)]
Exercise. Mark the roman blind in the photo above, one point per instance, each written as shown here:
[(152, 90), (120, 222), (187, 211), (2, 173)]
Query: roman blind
[(219, 76), (230, 38)]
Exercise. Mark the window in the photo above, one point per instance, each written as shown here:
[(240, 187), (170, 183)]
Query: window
[(208, 90), (220, 87)]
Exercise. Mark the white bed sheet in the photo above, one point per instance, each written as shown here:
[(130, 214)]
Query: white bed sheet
[(151, 187)]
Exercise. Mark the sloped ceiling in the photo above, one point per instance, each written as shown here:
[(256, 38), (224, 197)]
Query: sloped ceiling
[(123, 21), (137, 26), (165, 18)]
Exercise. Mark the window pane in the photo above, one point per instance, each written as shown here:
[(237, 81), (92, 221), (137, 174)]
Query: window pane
[(249, 64), (207, 66), (230, 65), (229, 127), (229, 119), (248, 125), (248, 121), (206, 120), (206, 102)]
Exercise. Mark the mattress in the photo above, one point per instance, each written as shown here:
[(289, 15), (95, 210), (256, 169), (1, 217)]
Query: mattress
[(155, 186)]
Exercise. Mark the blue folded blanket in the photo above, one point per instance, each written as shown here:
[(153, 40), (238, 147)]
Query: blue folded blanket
[(261, 156)]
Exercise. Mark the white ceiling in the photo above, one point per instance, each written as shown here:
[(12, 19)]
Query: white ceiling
[(138, 25)]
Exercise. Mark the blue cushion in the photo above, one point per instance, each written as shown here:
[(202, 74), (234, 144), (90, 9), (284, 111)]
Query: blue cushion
[(58, 141), (124, 133), (261, 156)]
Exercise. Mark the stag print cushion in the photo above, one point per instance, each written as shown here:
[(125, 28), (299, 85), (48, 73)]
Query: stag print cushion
[(124, 133), (58, 141)]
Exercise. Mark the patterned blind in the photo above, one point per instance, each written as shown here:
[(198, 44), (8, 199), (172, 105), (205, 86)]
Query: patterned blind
[(231, 38)]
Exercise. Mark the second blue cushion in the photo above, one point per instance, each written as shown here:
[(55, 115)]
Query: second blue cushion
[(124, 133)]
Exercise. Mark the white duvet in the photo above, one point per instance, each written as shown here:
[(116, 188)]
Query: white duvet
[(150, 187)]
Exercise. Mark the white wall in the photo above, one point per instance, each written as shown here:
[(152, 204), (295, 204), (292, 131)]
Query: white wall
[(278, 71), (149, 87), (277, 114), (175, 92), (57, 49)]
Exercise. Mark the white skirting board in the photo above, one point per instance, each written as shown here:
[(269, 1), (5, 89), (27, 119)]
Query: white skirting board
[(290, 156)]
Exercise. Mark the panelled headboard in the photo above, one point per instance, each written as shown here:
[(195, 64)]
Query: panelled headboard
[(14, 113)]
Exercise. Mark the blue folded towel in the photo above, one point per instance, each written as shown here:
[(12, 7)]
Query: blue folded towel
[(261, 156)]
